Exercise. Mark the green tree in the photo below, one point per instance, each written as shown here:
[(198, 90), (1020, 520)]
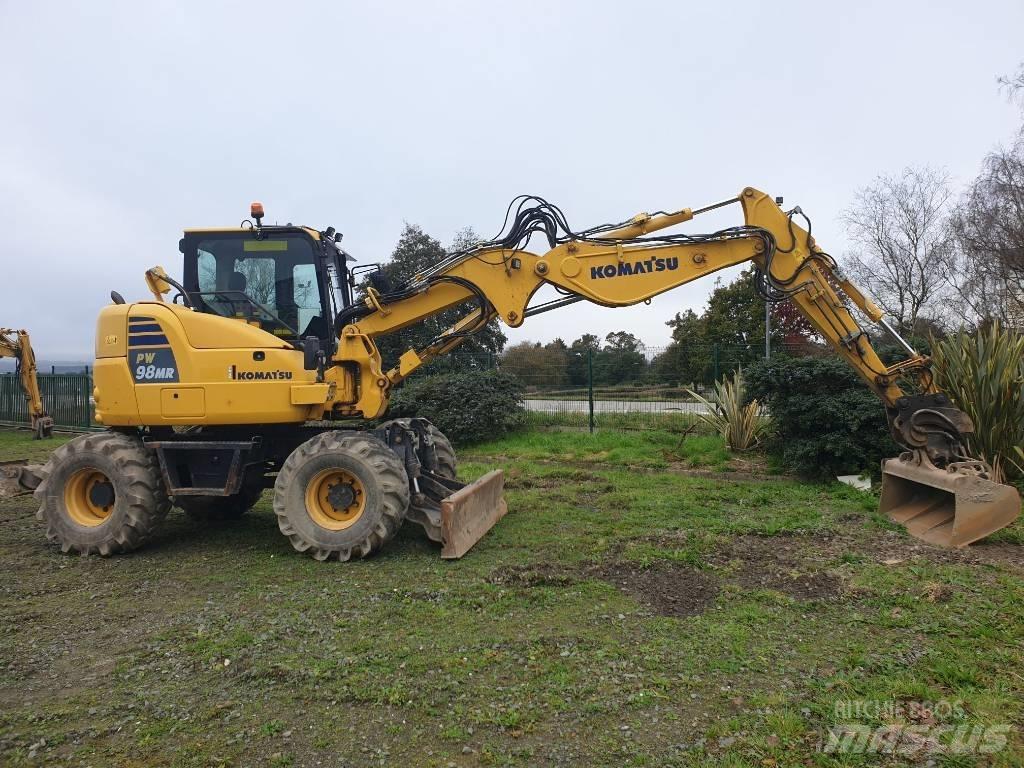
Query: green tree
[(414, 252), (621, 361), (731, 327), (687, 359), (536, 365), (577, 358)]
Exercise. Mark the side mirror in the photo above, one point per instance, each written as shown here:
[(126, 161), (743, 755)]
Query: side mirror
[(311, 353)]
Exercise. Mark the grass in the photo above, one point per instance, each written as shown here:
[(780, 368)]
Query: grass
[(621, 420), (639, 393), (17, 444), (555, 641)]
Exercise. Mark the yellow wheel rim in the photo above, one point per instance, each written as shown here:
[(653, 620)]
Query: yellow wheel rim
[(335, 499), (89, 497)]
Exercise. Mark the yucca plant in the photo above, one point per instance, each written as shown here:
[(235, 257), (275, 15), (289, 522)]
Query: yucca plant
[(740, 425), (984, 375)]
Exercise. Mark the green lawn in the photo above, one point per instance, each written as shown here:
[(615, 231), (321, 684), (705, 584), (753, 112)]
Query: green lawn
[(647, 601)]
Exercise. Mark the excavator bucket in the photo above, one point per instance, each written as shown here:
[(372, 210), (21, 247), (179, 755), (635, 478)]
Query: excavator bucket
[(471, 512), (17, 478), (948, 509)]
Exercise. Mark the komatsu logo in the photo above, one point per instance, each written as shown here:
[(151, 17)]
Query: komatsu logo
[(236, 375), (634, 267)]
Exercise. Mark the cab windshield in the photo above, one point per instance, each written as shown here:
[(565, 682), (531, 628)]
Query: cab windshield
[(269, 282)]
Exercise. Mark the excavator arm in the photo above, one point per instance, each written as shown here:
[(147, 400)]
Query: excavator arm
[(16, 344), (935, 488)]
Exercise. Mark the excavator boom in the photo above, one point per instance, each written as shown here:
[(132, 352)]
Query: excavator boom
[(933, 488)]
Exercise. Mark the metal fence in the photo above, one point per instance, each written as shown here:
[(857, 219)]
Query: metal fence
[(609, 388), (67, 397)]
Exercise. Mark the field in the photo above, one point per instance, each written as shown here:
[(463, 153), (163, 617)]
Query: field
[(648, 601)]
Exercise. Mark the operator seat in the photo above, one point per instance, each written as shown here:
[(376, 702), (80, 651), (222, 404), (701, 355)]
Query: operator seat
[(237, 283)]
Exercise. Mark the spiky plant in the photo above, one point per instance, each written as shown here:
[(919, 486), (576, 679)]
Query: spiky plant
[(740, 424), (984, 375)]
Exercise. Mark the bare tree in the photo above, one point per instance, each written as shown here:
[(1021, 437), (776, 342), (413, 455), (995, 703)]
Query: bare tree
[(989, 228), (1014, 85), (259, 280), (902, 244)]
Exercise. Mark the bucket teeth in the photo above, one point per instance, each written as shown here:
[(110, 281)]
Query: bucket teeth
[(942, 507)]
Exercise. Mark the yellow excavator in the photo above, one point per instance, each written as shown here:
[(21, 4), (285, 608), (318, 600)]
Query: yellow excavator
[(263, 372), (16, 343)]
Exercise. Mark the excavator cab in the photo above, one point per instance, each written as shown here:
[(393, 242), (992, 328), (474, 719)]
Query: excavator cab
[(278, 279)]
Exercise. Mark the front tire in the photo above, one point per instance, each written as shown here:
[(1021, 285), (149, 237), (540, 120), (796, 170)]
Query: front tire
[(341, 494), (101, 494)]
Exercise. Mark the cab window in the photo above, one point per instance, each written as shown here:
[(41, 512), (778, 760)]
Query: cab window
[(270, 282)]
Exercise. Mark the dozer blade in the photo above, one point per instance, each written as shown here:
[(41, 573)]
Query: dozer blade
[(17, 478), (471, 512), (948, 509)]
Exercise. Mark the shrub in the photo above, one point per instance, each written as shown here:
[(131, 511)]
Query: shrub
[(826, 421), (467, 407), (740, 423), (984, 376)]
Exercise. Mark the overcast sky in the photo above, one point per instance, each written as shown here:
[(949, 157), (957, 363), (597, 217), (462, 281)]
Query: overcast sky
[(125, 122)]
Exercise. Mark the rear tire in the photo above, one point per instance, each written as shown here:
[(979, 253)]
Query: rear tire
[(341, 494), (101, 494)]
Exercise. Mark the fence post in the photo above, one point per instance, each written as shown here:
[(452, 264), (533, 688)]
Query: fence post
[(714, 359), (590, 385), (86, 408)]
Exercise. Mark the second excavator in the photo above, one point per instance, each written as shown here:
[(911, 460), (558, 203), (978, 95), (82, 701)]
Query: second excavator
[(264, 372), (16, 343)]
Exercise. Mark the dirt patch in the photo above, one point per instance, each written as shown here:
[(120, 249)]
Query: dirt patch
[(670, 590), (779, 563), (800, 586), (516, 478), (542, 575), (888, 547), (742, 472)]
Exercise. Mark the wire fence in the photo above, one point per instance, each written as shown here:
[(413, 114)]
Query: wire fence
[(66, 396), (621, 388)]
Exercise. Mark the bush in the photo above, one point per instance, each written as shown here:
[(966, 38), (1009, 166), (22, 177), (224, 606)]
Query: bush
[(826, 421), (467, 407), (729, 413), (984, 376)]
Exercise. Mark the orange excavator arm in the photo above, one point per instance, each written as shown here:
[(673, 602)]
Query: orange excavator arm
[(16, 344)]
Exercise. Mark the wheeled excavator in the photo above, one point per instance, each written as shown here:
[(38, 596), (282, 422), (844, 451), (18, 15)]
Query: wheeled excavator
[(263, 371)]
